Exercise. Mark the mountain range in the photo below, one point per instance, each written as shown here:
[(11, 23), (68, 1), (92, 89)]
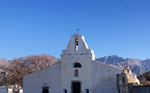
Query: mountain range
[(137, 66)]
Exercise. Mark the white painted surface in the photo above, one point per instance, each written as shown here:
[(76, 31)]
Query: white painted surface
[(34, 82), (85, 72), (21, 90), (104, 78), (82, 55), (10, 90)]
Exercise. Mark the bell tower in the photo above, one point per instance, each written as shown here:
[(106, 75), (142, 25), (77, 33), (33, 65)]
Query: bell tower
[(76, 66), (78, 46)]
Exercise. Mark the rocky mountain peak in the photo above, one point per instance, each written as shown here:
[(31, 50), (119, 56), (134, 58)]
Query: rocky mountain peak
[(137, 66)]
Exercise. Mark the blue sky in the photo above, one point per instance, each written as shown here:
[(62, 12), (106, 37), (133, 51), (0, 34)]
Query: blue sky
[(110, 27)]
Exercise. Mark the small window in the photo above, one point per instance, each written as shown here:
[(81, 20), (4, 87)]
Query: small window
[(86, 90), (64, 90), (76, 73), (76, 44), (77, 65), (45, 90)]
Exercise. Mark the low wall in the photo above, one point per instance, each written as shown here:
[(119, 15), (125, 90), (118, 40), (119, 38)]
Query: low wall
[(141, 89)]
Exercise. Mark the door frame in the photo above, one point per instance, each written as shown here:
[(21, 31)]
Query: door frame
[(74, 82)]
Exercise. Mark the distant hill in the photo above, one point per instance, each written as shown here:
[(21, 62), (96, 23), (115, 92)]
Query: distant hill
[(14, 70), (3, 62), (137, 66)]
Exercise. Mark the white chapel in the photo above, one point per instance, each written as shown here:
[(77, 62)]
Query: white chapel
[(77, 72)]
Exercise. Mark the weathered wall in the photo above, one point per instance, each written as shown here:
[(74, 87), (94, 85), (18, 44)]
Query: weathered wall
[(104, 78), (33, 83), (140, 89)]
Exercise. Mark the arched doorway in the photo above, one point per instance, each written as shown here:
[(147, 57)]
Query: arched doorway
[(76, 87)]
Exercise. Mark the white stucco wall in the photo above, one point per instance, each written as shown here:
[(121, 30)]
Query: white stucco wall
[(104, 78), (85, 72), (33, 83), (95, 76)]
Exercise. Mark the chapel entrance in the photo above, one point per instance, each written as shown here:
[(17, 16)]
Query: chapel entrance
[(45, 90), (76, 87)]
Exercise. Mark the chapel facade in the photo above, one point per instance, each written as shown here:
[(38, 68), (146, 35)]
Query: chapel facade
[(77, 72)]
